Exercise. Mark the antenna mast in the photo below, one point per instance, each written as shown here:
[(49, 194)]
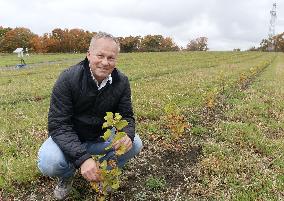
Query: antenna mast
[(272, 21)]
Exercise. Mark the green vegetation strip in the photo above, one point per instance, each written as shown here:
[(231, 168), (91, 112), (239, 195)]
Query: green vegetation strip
[(243, 160)]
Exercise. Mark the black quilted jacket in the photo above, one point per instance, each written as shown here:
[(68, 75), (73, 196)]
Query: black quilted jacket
[(77, 109)]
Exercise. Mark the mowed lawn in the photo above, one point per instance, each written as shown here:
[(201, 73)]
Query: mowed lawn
[(232, 148)]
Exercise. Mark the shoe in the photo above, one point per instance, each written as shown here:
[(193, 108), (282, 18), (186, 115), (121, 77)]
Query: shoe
[(63, 188)]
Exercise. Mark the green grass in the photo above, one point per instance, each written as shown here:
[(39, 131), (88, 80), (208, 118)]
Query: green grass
[(155, 184), (12, 59), (242, 149), (250, 141)]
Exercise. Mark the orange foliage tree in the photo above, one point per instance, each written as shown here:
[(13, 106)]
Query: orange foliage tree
[(157, 43), (76, 40), (14, 38), (198, 44), (130, 43)]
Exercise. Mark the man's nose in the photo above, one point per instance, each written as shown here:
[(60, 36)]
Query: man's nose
[(105, 61)]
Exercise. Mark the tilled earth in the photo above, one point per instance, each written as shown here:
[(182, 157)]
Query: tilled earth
[(174, 165)]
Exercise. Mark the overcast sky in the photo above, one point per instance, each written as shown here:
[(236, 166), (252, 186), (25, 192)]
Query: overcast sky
[(227, 24)]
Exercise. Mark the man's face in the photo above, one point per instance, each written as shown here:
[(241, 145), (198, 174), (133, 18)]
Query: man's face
[(102, 58)]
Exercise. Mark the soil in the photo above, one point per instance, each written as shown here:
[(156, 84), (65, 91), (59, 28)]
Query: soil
[(172, 165)]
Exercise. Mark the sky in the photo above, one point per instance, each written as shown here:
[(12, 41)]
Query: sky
[(227, 24)]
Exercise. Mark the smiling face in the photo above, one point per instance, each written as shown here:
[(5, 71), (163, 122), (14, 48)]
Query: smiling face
[(102, 57)]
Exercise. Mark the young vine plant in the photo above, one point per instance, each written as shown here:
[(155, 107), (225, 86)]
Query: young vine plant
[(110, 172), (175, 121)]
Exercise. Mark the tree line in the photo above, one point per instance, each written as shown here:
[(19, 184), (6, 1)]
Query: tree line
[(77, 40), (274, 43)]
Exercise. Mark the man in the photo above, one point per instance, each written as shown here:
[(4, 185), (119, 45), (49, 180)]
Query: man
[(80, 99)]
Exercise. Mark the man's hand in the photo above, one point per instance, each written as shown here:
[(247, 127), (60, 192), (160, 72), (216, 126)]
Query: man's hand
[(126, 141), (90, 170)]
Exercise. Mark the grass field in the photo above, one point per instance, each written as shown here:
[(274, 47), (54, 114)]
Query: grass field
[(7, 60), (232, 149)]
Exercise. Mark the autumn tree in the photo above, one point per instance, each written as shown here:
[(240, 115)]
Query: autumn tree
[(275, 43), (37, 45), (3, 31), (130, 43), (198, 44), (278, 42), (73, 40), (168, 45), (56, 41), (76, 40), (79, 40), (151, 43), (157, 43), (266, 44), (14, 38)]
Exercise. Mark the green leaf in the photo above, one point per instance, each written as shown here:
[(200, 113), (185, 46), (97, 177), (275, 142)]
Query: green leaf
[(105, 184), (107, 134), (116, 172), (95, 186), (104, 164), (105, 125), (119, 172), (109, 118), (118, 136), (121, 124), (121, 150), (115, 185), (101, 198), (2, 181), (117, 117)]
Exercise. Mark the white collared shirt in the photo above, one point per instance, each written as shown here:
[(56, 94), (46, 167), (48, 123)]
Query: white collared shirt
[(103, 83)]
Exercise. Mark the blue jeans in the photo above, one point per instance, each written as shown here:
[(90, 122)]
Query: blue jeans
[(52, 161)]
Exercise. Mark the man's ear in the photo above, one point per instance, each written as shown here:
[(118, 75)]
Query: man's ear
[(88, 54)]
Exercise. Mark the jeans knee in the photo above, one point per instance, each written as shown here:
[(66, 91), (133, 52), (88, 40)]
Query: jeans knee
[(49, 164), (51, 161)]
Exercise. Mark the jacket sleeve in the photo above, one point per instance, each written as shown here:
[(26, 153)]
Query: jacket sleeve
[(60, 125), (126, 111)]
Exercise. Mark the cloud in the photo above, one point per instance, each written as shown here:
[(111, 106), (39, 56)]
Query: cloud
[(228, 24)]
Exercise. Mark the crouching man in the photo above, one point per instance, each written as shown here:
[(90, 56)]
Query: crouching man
[(80, 99)]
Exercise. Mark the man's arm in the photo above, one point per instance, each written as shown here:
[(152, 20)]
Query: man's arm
[(60, 125), (61, 129), (126, 111)]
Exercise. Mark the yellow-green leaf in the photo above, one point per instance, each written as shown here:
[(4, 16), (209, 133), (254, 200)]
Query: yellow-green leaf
[(118, 136), (95, 186), (104, 164), (117, 117), (115, 185), (107, 134), (109, 118), (121, 124), (105, 125), (101, 198), (121, 150)]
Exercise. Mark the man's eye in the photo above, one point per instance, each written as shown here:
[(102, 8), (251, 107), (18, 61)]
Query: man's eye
[(100, 56)]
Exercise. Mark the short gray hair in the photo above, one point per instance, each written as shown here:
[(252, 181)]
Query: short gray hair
[(101, 34)]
